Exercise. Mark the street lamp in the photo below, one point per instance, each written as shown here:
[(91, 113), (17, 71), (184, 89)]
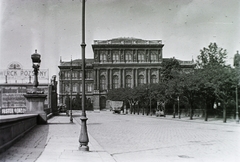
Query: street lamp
[(179, 116), (237, 117), (36, 60), (83, 139)]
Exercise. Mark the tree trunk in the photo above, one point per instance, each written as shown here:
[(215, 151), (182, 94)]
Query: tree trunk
[(134, 107), (191, 112), (138, 110), (174, 110), (206, 113), (224, 114)]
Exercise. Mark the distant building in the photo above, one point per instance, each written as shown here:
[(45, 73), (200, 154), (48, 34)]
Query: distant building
[(121, 62)]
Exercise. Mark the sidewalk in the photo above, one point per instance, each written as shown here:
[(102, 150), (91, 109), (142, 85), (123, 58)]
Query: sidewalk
[(62, 143)]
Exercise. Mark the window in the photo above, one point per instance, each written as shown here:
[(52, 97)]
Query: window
[(153, 79), (153, 57), (115, 57), (115, 82), (128, 81), (74, 88), (102, 83), (65, 75), (103, 57), (141, 57), (88, 74), (140, 80), (80, 75), (80, 87), (128, 57), (89, 87), (74, 75), (66, 88)]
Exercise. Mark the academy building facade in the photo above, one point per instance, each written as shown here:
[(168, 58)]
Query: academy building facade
[(117, 63)]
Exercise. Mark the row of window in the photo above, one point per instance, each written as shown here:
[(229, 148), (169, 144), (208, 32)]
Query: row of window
[(76, 74), (128, 81), (77, 88), (103, 83), (128, 57)]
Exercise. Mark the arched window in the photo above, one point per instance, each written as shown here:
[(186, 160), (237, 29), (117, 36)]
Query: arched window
[(74, 88), (140, 80), (115, 82), (115, 57), (128, 81), (103, 57), (153, 79), (102, 83), (128, 57)]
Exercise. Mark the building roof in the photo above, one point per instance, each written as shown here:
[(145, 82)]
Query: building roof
[(127, 40), (77, 62)]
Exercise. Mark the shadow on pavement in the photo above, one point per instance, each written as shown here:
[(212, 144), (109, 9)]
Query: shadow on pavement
[(29, 147)]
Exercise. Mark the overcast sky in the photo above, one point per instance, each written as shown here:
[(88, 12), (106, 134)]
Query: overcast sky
[(53, 27)]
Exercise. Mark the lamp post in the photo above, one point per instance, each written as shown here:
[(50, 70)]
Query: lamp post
[(83, 139), (179, 116), (71, 119), (237, 117), (36, 60)]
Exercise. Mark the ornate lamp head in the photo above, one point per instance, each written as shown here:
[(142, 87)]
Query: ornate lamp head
[(36, 59)]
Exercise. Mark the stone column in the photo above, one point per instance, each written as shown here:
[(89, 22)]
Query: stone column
[(110, 77), (132, 83), (145, 77), (97, 79), (107, 79), (149, 76), (35, 105), (123, 79), (158, 76), (136, 77), (120, 78)]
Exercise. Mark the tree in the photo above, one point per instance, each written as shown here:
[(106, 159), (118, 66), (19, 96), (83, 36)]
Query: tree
[(215, 75), (169, 69), (211, 56)]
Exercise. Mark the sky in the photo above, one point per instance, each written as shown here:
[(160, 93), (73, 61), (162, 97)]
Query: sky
[(53, 27)]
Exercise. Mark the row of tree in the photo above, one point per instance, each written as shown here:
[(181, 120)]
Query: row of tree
[(209, 86), (77, 103)]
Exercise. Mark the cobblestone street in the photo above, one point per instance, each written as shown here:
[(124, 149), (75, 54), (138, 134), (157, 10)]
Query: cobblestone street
[(128, 138), (142, 138)]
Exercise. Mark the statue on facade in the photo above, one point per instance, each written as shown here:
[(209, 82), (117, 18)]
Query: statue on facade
[(236, 61)]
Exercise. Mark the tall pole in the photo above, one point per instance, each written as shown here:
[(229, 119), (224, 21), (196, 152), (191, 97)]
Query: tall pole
[(83, 139), (71, 119), (237, 117)]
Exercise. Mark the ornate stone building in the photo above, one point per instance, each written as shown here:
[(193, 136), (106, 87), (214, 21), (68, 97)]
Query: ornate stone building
[(121, 62)]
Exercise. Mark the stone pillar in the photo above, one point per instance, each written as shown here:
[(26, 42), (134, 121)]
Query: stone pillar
[(97, 79), (120, 78), (133, 78), (96, 100), (107, 78), (123, 80), (35, 105), (110, 78), (149, 76), (145, 77), (136, 77)]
